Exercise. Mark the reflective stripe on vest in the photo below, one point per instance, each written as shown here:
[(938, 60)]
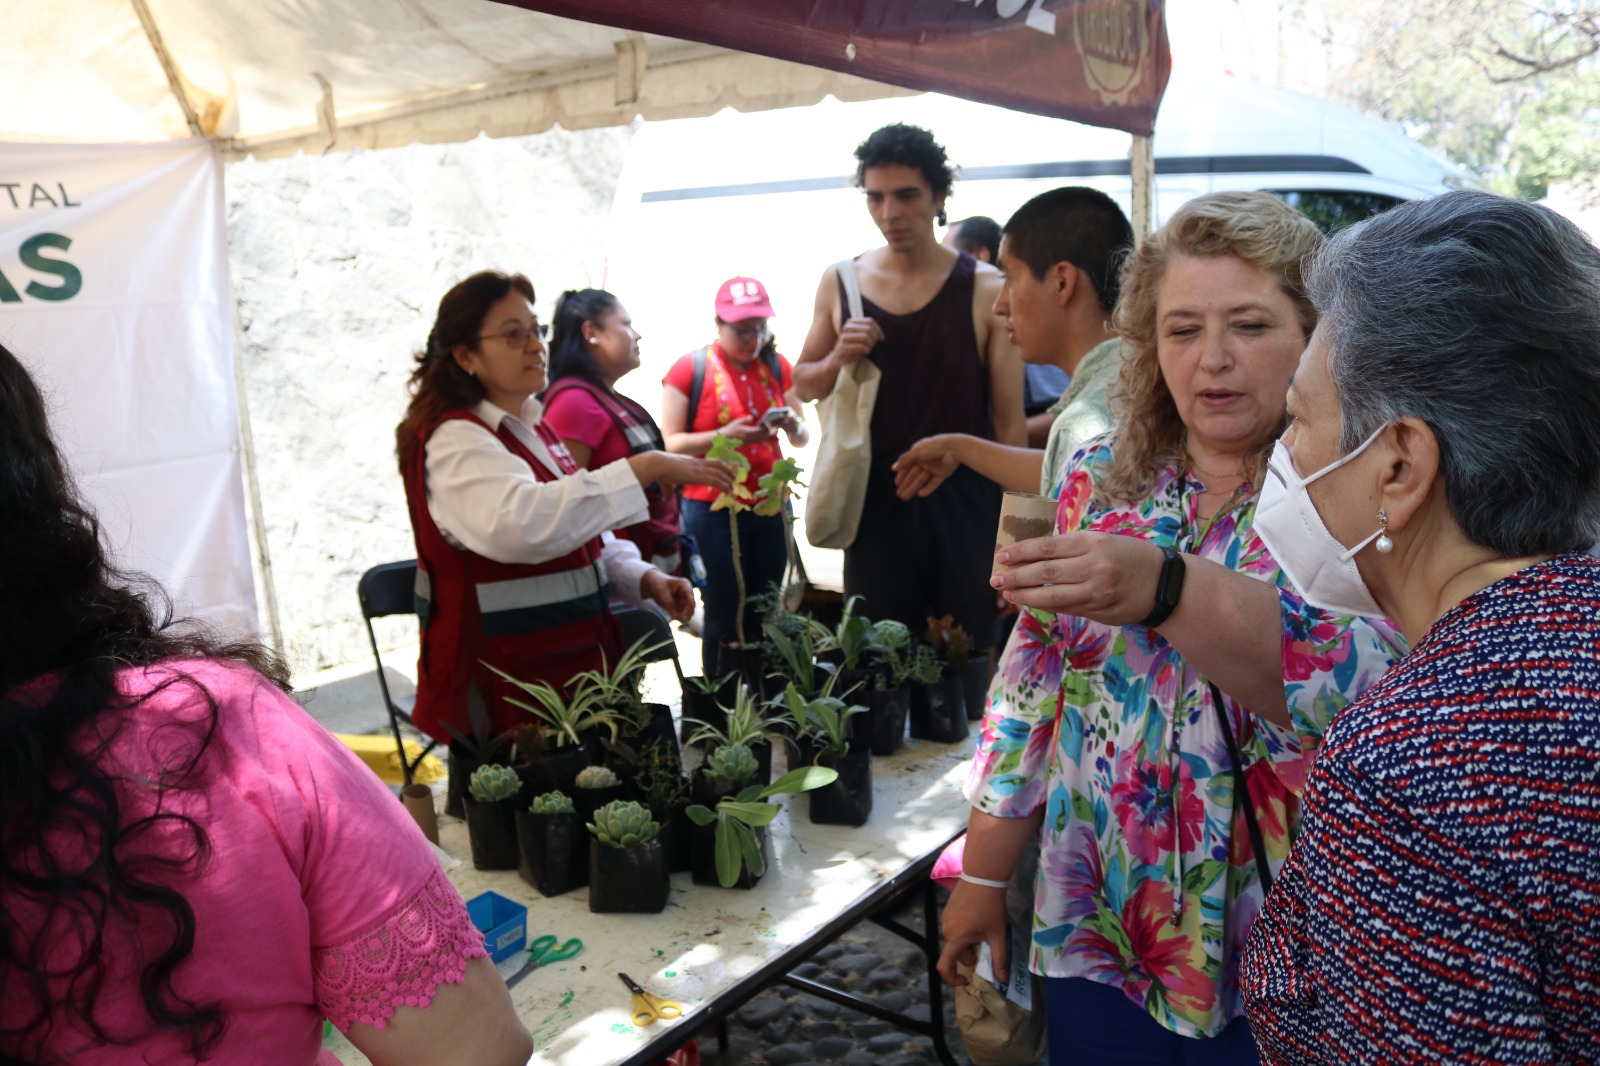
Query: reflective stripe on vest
[(540, 601)]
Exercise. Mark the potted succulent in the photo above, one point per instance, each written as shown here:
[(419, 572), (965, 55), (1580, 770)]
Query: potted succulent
[(738, 826), (627, 865), (825, 740), (593, 788), (889, 698), (938, 710), (951, 644), (555, 858), (745, 723), (491, 820)]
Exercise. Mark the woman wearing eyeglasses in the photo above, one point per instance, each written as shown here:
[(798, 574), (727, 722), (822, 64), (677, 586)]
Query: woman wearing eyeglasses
[(592, 345), (515, 564), (724, 389)]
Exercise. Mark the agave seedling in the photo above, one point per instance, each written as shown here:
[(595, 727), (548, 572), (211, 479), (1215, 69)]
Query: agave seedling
[(555, 802), (738, 817), (491, 784), (623, 823)]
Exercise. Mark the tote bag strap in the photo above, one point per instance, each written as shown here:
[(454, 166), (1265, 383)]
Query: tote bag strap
[(1241, 792), (846, 269)]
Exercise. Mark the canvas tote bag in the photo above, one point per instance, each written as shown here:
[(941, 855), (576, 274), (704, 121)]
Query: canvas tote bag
[(844, 454)]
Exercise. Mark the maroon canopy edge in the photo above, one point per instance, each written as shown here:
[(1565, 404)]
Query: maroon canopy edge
[(1103, 62)]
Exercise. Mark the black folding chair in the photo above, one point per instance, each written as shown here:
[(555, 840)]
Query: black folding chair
[(389, 589)]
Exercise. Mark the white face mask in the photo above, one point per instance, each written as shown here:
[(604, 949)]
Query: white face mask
[(1322, 569)]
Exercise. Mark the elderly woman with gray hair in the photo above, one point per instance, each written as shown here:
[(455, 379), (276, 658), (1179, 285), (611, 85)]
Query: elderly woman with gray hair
[(1442, 903)]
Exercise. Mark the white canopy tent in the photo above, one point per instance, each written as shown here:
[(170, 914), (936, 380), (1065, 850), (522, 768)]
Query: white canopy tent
[(274, 77)]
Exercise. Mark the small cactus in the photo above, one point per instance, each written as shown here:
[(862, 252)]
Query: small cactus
[(556, 802), (597, 777), (731, 764), (623, 823), (491, 784)]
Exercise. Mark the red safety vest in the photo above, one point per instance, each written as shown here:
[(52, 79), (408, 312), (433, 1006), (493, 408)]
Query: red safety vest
[(538, 622), (659, 536)]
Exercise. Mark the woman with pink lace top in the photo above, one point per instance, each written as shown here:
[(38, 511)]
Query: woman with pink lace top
[(191, 869)]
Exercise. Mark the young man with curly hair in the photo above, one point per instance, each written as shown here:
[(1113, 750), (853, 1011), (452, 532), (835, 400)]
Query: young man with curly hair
[(929, 324)]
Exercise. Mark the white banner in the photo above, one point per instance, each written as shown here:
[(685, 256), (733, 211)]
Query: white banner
[(114, 293)]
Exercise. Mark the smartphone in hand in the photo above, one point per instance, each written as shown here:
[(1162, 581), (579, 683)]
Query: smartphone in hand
[(772, 416)]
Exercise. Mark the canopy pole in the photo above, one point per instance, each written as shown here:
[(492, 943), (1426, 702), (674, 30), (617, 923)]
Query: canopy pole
[(247, 456), (1143, 157), (174, 82)]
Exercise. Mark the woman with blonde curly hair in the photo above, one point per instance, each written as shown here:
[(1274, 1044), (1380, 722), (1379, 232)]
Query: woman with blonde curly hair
[(1161, 806)]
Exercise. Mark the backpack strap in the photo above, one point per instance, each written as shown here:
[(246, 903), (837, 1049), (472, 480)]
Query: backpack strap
[(697, 382)]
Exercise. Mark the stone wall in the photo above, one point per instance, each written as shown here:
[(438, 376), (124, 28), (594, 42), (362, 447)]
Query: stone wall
[(338, 264)]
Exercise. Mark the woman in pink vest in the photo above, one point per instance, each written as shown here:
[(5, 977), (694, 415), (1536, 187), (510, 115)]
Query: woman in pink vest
[(515, 564), (592, 345), (191, 868)]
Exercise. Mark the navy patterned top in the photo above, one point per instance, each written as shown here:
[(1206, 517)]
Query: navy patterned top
[(1442, 903)]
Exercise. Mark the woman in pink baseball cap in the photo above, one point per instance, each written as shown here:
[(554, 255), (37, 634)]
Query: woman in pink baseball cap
[(725, 389)]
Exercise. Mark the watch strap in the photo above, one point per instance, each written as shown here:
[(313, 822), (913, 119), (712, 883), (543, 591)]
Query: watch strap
[(1169, 587)]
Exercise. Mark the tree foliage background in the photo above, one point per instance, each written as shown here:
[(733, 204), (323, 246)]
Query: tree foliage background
[(1507, 88)]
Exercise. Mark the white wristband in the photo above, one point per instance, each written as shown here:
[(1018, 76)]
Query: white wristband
[(984, 881)]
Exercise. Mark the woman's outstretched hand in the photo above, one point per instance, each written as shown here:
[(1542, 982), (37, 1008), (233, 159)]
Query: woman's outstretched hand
[(1108, 578), (668, 470)]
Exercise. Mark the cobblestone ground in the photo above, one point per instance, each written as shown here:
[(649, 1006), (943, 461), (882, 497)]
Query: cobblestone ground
[(786, 1027)]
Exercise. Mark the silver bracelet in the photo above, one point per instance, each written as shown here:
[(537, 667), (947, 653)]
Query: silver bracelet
[(984, 881)]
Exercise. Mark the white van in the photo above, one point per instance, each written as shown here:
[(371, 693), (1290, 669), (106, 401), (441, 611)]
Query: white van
[(771, 195)]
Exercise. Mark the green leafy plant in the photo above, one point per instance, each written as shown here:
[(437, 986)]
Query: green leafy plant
[(738, 817), (727, 450), (849, 637), (596, 777), (824, 720), (774, 490), (730, 766), (889, 645), (491, 784), (796, 655), (949, 639), (925, 665), (662, 782), (746, 722), (556, 802), (710, 686), (566, 716), (623, 823)]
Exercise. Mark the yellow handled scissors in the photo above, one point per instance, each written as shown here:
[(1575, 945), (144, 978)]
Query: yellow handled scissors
[(647, 1008)]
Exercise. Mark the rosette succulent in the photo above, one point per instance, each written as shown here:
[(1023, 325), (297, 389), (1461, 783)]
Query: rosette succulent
[(597, 777), (623, 823), (556, 802), (731, 765), (491, 784)]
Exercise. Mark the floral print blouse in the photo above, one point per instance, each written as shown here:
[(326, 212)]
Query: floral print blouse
[(1147, 879)]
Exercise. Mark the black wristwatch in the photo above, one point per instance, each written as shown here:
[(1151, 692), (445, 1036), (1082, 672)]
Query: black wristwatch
[(1169, 586)]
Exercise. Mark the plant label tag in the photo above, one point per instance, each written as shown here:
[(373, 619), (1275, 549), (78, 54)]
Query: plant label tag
[(1017, 987)]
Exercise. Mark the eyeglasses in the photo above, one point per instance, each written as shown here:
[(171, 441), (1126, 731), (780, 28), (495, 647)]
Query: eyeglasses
[(518, 337), (748, 333)]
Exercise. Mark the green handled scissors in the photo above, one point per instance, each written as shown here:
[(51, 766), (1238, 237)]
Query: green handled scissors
[(542, 952)]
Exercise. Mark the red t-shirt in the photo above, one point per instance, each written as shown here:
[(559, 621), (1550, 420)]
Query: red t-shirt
[(575, 414), (728, 394)]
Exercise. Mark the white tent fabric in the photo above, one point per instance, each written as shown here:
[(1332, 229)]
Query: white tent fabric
[(273, 77)]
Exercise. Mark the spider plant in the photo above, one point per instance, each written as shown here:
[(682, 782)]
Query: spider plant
[(566, 716), (824, 720), (746, 723), (796, 655), (618, 687)]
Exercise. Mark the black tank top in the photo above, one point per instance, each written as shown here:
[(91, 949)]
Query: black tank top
[(934, 380)]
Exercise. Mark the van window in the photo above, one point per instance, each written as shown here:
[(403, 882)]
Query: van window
[(1334, 209)]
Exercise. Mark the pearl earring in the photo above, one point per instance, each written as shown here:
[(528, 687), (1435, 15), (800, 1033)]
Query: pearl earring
[(594, 340), (1384, 544)]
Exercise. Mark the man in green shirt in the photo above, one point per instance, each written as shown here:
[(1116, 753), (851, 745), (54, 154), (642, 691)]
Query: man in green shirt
[(1060, 254)]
